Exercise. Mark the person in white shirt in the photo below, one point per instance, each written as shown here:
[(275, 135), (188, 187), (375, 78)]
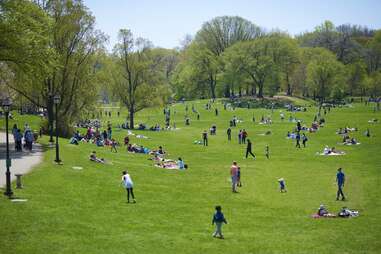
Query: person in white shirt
[(128, 184)]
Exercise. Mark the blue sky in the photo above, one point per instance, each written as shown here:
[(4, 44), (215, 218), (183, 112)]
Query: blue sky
[(166, 22)]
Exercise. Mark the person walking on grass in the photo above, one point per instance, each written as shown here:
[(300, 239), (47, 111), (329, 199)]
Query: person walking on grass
[(234, 176), (239, 183), (267, 152), (218, 219), (297, 140), (113, 145), (340, 179), (129, 185), (304, 140), (240, 137), (248, 149), (205, 138), (229, 132)]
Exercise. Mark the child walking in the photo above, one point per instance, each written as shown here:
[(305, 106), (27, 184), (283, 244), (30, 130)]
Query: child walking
[(239, 183), (218, 219), (282, 185)]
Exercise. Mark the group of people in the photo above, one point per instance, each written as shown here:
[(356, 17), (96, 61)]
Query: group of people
[(28, 136)]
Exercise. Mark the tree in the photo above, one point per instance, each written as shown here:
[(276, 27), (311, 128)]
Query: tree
[(356, 74), (374, 84), (73, 42), (373, 53), (254, 59), (222, 32), (285, 54), (136, 80), (325, 74), (24, 39)]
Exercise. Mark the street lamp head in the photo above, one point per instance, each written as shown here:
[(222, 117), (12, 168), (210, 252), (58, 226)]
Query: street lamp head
[(57, 99), (7, 102)]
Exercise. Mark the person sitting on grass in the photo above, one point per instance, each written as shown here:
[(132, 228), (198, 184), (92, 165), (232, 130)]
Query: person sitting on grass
[(126, 140), (218, 219), (99, 141), (180, 163), (93, 157), (323, 212)]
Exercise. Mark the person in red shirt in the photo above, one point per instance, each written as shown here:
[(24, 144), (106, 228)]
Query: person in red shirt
[(244, 136), (234, 176)]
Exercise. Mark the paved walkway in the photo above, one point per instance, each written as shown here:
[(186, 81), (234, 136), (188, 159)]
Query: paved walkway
[(22, 162)]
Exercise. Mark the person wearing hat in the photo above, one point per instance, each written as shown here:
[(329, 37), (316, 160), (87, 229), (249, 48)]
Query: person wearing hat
[(322, 211)]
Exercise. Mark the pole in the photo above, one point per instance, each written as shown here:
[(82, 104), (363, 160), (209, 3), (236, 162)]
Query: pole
[(8, 191), (57, 146), (50, 105)]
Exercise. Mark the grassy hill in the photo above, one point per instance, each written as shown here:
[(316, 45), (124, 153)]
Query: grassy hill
[(85, 211)]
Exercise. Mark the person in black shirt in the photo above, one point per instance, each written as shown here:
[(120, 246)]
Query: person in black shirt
[(229, 132), (248, 149), (205, 138)]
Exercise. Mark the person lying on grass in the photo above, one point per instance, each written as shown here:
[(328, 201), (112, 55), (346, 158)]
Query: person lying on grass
[(351, 141), (169, 164), (134, 148), (332, 151), (159, 152), (373, 120), (93, 157), (345, 130)]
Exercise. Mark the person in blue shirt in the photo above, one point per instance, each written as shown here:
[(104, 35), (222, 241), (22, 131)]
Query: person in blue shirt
[(218, 219), (180, 164), (340, 179), (297, 140)]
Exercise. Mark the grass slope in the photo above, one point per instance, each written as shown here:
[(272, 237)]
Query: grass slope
[(85, 211)]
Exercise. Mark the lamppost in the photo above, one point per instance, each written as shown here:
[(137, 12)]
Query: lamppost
[(6, 107), (51, 123), (57, 100)]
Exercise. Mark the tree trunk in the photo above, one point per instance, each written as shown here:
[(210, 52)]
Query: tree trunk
[(289, 90), (227, 91), (212, 89), (260, 91), (131, 111), (254, 90)]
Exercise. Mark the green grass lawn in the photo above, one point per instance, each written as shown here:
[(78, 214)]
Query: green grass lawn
[(85, 211)]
